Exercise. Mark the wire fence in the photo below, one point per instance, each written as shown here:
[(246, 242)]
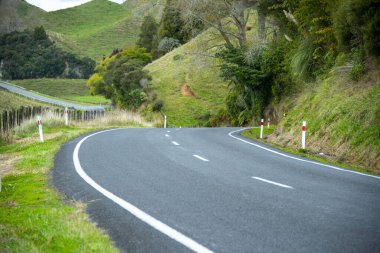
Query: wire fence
[(10, 119)]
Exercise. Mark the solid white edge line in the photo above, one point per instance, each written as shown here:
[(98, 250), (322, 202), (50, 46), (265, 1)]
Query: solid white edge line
[(296, 158), (175, 143), (272, 182), (201, 158), (158, 225)]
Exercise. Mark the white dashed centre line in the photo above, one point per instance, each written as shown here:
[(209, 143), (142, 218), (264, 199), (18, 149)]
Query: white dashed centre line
[(271, 182), (167, 135), (175, 143), (201, 158)]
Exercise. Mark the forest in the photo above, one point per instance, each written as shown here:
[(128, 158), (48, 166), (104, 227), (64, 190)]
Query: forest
[(31, 54)]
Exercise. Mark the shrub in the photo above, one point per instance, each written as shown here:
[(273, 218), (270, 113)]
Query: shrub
[(158, 105), (168, 44)]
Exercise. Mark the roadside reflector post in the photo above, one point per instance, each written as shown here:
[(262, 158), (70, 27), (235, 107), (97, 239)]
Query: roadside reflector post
[(165, 121), (304, 134), (66, 114), (261, 128), (39, 122), (268, 123)]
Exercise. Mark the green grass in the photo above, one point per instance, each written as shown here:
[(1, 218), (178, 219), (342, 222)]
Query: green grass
[(343, 120), (10, 101), (254, 133), (34, 217), (184, 67), (74, 90), (95, 28)]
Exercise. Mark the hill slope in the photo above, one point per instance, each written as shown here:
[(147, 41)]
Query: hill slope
[(188, 82), (92, 29), (343, 119)]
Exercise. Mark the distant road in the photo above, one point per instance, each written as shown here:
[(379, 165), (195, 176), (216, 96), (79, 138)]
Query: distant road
[(178, 190), (23, 92)]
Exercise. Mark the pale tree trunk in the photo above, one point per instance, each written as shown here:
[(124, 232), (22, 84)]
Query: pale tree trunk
[(261, 26)]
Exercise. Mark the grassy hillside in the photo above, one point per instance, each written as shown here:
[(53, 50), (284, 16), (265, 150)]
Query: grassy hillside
[(9, 101), (67, 89), (343, 120), (92, 29), (189, 84), (141, 8)]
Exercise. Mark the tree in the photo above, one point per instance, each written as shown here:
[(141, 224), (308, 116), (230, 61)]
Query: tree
[(172, 25), (168, 44), (40, 34), (121, 78), (228, 17), (148, 35)]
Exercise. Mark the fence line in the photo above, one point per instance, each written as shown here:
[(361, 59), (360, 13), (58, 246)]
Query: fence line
[(9, 119)]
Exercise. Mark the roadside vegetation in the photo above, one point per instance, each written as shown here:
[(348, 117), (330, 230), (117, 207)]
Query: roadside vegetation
[(9, 101), (343, 120), (33, 216), (74, 90)]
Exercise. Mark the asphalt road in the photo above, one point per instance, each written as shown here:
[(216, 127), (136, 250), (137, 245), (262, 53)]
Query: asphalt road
[(23, 92), (216, 191)]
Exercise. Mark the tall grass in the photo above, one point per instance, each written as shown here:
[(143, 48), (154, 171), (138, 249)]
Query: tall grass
[(9, 101), (52, 120), (342, 117)]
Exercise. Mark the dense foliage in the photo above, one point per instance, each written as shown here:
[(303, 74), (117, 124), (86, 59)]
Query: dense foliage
[(120, 77), (31, 54), (170, 32), (256, 77), (172, 25), (148, 37), (308, 38)]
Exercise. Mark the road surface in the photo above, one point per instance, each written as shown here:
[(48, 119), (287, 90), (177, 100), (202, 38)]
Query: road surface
[(211, 190), (23, 92)]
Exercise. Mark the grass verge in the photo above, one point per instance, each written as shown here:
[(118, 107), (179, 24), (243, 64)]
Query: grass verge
[(343, 119), (254, 133), (33, 215), (10, 101)]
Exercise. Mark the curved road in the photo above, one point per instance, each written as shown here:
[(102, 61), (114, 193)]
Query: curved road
[(23, 92), (211, 190)]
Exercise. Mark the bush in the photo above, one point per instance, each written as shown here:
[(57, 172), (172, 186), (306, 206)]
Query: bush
[(178, 57), (168, 44), (158, 105), (358, 68)]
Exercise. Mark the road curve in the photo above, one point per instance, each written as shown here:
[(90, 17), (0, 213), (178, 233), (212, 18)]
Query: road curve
[(222, 193), (23, 92)]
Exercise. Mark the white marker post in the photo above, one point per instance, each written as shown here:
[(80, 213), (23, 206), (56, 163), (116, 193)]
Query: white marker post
[(39, 122), (268, 123), (304, 134), (261, 128), (66, 114), (165, 121)]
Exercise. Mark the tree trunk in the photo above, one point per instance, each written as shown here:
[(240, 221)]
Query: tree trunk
[(261, 24)]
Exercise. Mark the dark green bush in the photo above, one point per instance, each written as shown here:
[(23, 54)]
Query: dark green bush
[(158, 105)]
